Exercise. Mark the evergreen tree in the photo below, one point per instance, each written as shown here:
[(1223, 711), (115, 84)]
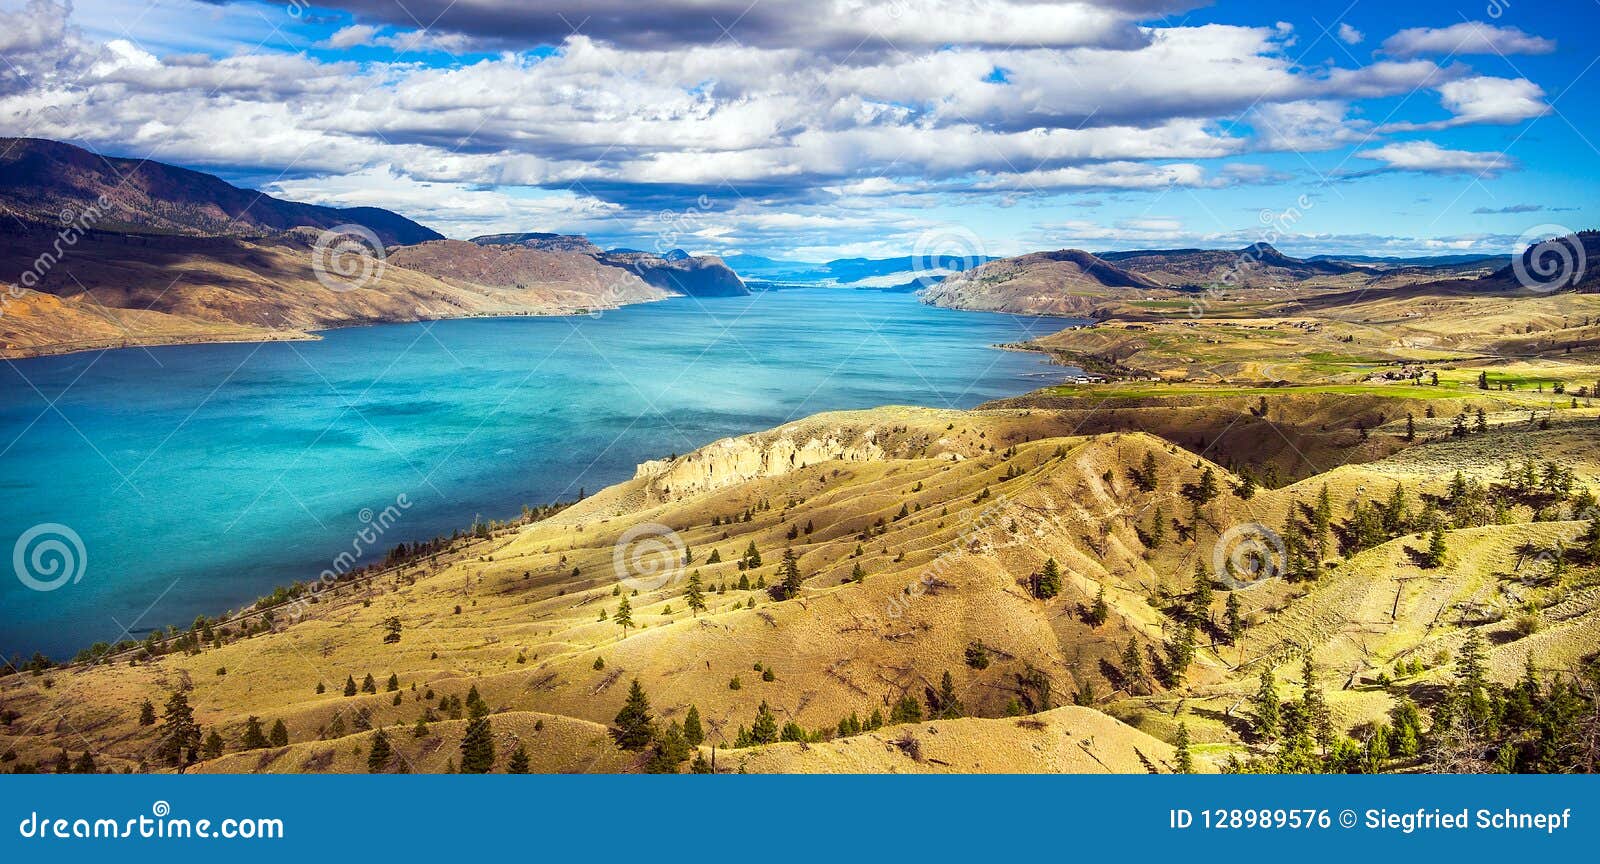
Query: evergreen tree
[(147, 714), (1181, 745), (1132, 663), (790, 587), (1047, 583), (1317, 715), (692, 731), (635, 726), (765, 728), (85, 764), (519, 761), (349, 685), (624, 616), (670, 751), (180, 735), (378, 758), (1267, 707), (1322, 525), (368, 685), (213, 746), (1200, 597), (254, 738), (944, 704), (1435, 556), (752, 558), (1233, 618), (695, 597), (279, 736), (394, 683), (477, 743), (1099, 610), (907, 710)]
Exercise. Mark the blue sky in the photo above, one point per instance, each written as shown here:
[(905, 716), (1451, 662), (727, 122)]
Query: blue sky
[(844, 127)]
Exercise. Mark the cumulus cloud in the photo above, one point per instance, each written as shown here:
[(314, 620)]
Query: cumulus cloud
[(633, 108), (1429, 158), (1350, 35), (843, 27), (1468, 37), (1483, 99)]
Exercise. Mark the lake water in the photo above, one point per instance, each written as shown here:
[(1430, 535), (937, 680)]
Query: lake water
[(198, 477)]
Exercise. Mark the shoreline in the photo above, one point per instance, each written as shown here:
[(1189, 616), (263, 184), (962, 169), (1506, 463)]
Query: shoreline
[(310, 334)]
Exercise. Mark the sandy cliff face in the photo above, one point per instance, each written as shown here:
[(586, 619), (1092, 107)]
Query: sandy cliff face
[(735, 460)]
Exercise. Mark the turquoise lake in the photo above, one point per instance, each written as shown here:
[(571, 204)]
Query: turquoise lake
[(198, 477)]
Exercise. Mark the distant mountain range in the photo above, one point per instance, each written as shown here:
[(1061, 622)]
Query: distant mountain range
[(900, 271), (40, 180), (110, 252), (1074, 282)]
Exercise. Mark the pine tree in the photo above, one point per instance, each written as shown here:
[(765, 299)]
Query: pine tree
[(85, 764), (635, 726), (180, 735), (394, 683), (477, 743), (1233, 618), (279, 736), (790, 588), (1099, 610), (624, 616), (1132, 663), (1322, 525), (944, 704), (692, 731), (1435, 556), (254, 738), (765, 728), (1201, 596), (349, 685), (1181, 745), (1047, 583), (368, 685), (907, 710), (213, 746), (1411, 427), (694, 596), (1317, 715), (147, 714), (519, 761), (1267, 707), (378, 758), (752, 558)]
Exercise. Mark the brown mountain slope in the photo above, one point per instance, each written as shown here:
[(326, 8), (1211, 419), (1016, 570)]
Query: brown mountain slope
[(1064, 282), (42, 180), (948, 515), (114, 290)]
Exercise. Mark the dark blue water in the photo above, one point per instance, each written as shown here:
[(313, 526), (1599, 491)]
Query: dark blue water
[(198, 477)]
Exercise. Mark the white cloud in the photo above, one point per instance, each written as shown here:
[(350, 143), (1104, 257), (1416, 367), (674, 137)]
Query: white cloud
[(1350, 35), (1468, 37), (1429, 158)]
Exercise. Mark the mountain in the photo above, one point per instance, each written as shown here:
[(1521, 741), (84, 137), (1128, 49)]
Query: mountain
[(1256, 265), (676, 272), (855, 272), (40, 180), (1064, 282)]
